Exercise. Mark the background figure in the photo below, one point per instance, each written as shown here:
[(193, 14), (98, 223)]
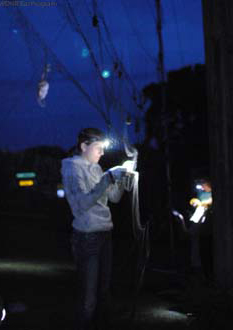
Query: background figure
[(88, 190), (201, 230)]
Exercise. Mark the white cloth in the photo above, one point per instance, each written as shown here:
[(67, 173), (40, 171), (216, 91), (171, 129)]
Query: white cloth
[(198, 215)]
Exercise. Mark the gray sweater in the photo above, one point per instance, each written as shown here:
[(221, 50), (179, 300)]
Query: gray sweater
[(87, 191)]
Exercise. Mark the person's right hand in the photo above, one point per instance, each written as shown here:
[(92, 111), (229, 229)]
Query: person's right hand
[(118, 172)]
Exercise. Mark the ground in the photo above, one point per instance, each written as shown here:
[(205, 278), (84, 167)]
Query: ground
[(37, 283)]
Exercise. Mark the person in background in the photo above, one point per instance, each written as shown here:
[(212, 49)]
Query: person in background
[(202, 202), (205, 193), (201, 230), (88, 190)]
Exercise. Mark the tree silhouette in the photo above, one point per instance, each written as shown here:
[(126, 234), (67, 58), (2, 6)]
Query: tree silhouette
[(187, 123)]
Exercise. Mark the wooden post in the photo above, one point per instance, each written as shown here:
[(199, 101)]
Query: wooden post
[(218, 30), (162, 72)]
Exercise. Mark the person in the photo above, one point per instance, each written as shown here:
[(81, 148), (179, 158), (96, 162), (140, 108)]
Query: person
[(201, 232), (88, 190), (202, 202)]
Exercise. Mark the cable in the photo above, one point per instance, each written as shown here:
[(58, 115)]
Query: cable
[(151, 58), (115, 58), (74, 22), (112, 101), (54, 42), (178, 32)]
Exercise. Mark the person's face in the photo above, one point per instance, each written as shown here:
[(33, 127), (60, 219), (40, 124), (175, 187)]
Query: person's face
[(93, 151), (206, 187)]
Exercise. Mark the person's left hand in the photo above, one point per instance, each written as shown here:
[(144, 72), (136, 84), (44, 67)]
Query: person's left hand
[(118, 172)]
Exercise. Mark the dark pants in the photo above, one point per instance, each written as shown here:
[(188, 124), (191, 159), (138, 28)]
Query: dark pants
[(202, 246), (93, 256), (195, 245)]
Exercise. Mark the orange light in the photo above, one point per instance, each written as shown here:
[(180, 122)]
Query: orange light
[(26, 183)]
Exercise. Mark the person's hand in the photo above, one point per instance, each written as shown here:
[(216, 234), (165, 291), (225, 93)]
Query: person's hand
[(118, 172)]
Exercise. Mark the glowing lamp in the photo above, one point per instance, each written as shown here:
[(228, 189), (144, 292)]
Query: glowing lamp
[(25, 175), (26, 183), (106, 74), (199, 187), (60, 193)]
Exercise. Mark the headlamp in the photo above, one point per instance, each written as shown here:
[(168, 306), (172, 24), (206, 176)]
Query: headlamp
[(106, 142), (199, 187)]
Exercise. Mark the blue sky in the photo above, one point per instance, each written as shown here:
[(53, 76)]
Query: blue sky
[(124, 42)]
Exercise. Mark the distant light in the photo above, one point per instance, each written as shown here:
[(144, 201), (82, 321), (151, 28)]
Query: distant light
[(106, 74), (15, 31), (25, 175), (60, 193), (199, 187), (3, 314), (26, 183), (85, 52)]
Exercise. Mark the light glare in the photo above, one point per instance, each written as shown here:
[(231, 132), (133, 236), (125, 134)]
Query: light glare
[(177, 214), (168, 315), (26, 183), (3, 314), (106, 74), (106, 143), (60, 193), (25, 175)]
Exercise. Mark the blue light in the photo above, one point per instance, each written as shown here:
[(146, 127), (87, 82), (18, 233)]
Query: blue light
[(106, 74), (85, 52), (60, 193), (15, 31)]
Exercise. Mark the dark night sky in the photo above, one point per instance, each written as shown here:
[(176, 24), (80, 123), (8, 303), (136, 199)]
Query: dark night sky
[(124, 42)]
